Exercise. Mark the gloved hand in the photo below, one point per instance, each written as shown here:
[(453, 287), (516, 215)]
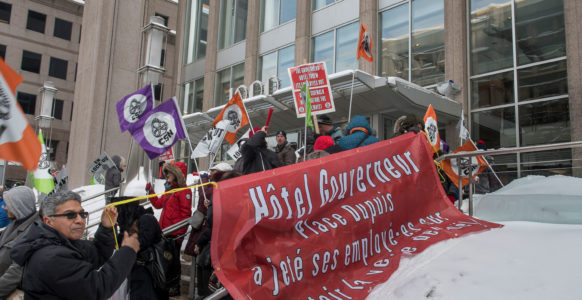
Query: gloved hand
[(149, 188)]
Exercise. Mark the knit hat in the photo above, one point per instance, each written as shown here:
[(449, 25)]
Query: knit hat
[(481, 145), (20, 201), (253, 131), (324, 119), (323, 142), (281, 132), (221, 167)]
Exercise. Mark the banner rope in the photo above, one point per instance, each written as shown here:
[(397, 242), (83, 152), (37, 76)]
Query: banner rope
[(147, 197)]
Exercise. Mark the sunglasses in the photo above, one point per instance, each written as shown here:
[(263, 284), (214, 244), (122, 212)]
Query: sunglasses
[(73, 215)]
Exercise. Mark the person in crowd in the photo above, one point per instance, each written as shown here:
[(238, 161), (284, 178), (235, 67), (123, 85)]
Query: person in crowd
[(175, 207), (285, 150), (161, 165), (255, 154), (4, 220), (238, 164), (323, 146), (202, 248), (359, 134), (326, 127), (408, 123), (113, 176), (21, 208), (141, 281), (205, 193), (59, 264), (486, 182)]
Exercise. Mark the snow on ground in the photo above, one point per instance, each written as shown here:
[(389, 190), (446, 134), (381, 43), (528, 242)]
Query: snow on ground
[(523, 260)]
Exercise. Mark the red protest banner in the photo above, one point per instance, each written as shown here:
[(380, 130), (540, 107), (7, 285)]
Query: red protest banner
[(315, 76), (337, 225)]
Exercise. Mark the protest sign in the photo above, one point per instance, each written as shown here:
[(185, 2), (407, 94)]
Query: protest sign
[(315, 76)]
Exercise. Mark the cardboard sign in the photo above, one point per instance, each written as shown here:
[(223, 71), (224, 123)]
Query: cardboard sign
[(332, 228), (315, 75), (101, 164)]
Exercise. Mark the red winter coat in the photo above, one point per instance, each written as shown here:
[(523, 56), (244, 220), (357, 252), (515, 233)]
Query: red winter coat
[(175, 206)]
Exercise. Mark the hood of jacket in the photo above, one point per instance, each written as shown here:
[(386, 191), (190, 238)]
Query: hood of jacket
[(20, 201), (39, 236), (179, 171), (359, 121)]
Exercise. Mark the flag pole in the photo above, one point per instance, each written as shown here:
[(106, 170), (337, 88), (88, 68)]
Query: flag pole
[(352, 89), (489, 165), (252, 131)]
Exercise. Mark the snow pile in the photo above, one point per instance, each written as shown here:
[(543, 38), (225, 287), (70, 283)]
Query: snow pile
[(554, 199)]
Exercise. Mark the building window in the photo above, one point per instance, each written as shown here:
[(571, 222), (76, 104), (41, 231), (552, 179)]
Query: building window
[(519, 82), (166, 18), (36, 21), (337, 48), (233, 22), (58, 68), (57, 111), (72, 107), (196, 30), (63, 29), (276, 12), (317, 4), (411, 44), (193, 96), (27, 102), (158, 90), (228, 79), (30, 61), (276, 64), (5, 11), (53, 144), (3, 51)]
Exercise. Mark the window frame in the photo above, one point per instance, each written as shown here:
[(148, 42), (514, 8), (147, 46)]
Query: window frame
[(65, 26), (26, 55), (30, 25), (55, 68)]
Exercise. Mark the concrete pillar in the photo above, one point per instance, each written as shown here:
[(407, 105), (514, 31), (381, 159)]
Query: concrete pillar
[(302, 32), (369, 17), (211, 54), (252, 41), (107, 67), (572, 17), (456, 58)]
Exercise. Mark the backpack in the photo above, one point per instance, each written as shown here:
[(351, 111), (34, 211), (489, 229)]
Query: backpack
[(160, 260)]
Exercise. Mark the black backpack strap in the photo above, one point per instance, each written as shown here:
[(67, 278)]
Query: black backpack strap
[(363, 139)]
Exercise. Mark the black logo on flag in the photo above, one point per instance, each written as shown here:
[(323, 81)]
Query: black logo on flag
[(4, 106), (432, 133), (366, 44), (43, 163), (135, 109), (233, 118), (159, 127)]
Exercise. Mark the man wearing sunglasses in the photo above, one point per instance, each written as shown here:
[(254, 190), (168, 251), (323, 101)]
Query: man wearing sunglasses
[(58, 264)]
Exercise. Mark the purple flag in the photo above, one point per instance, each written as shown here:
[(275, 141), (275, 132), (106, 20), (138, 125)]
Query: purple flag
[(159, 129), (133, 106)]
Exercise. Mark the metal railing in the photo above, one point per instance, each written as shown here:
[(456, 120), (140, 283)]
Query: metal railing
[(514, 150)]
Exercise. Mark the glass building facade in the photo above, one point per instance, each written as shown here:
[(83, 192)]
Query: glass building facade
[(515, 74)]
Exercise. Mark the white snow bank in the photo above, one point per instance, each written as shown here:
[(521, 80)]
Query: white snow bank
[(522, 260), (554, 199)]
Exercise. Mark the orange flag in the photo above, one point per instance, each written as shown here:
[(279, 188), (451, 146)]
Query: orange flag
[(431, 128), (365, 44), (235, 114), (18, 142), (451, 168)]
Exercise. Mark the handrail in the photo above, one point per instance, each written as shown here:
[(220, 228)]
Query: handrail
[(510, 150), (218, 294), (100, 194)]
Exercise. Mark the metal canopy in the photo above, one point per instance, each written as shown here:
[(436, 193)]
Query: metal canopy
[(391, 96)]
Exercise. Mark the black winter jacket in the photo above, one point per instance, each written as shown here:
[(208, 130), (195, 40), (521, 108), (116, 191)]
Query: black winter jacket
[(255, 154), (58, 268)]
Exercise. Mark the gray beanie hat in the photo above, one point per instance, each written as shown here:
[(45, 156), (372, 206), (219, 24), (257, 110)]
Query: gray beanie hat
[(20, 201)]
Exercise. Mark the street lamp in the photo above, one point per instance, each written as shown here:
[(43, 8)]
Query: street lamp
[(47, 95), (156, 34)]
